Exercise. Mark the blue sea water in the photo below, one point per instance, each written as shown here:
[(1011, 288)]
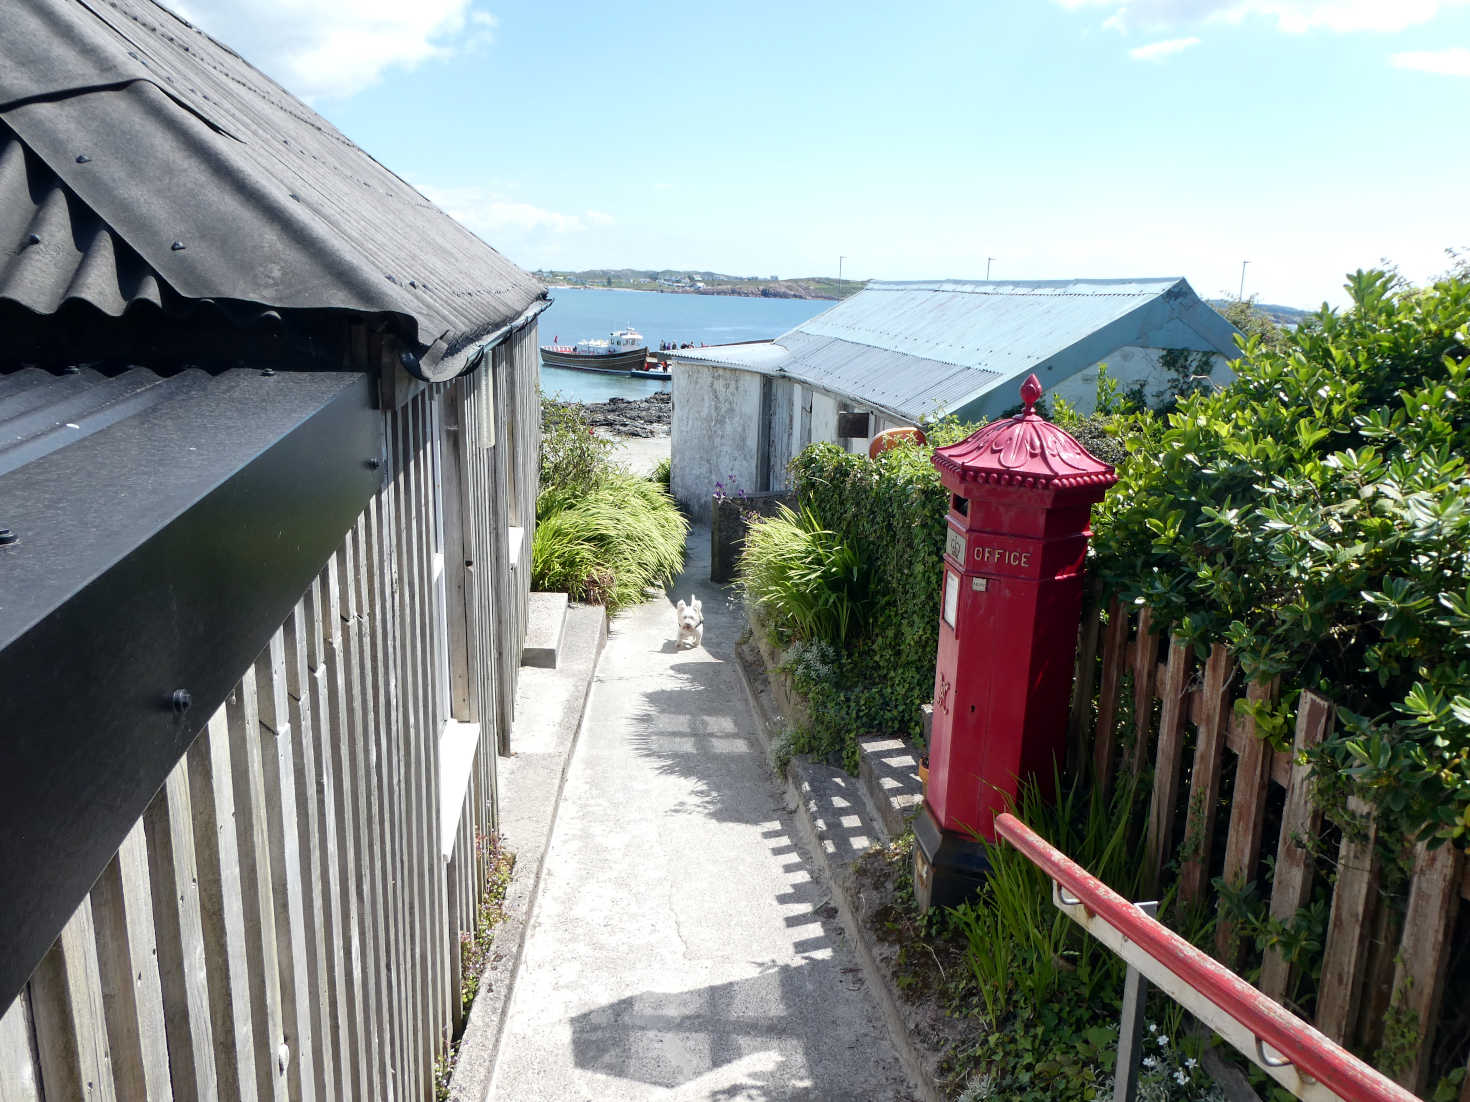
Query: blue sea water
[(576, 314)]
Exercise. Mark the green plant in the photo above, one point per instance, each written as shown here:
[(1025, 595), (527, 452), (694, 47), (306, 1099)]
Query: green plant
[(1315, 516), (662, 473), (573, 456), (605, 543), (809, 581), (489, 913)]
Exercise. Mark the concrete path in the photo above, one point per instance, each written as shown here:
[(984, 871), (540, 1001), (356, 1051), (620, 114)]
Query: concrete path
[(679, 947)]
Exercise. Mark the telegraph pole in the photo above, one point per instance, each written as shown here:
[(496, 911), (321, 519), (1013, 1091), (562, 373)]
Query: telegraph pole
[(1241, 294), (840, 259), (988, 259)]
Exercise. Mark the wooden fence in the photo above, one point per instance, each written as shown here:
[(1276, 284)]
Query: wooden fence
[(1385, 957), (285, 919)]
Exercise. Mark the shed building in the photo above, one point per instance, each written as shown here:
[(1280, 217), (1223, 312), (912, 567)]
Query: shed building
[(268, 439), (902, 353)]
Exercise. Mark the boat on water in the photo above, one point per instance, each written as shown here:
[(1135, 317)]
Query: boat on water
[(624, 352)]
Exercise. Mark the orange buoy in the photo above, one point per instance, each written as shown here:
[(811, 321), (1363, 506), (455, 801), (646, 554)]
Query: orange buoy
[(892, 438)]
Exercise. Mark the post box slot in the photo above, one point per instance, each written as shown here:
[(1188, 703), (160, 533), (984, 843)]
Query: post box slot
[(960, 505)]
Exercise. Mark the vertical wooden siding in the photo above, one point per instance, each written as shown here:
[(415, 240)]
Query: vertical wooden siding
[(284, 921)]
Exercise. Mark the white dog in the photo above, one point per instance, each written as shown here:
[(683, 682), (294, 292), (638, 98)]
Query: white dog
[(690, 619)]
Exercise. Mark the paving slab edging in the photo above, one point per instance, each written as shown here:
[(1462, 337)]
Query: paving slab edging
[(799, 784), (480, 1043)]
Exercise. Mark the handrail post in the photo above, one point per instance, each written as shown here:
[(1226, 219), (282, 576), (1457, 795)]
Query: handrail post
[(1130, 1025)]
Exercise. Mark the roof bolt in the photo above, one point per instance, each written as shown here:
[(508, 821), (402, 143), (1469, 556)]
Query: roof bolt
[(33, 239), (180, 701), (178, 246), (267, 372), (82, 158), (412, 283), (408, 360), (7, 537), (374, 463)]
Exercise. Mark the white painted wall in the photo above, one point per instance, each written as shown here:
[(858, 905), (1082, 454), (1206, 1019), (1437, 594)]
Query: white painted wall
[(715, 423), (1126, 366)]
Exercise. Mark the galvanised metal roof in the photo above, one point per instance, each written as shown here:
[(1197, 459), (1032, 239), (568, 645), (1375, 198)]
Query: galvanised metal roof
[(139, 159), (962, 347)]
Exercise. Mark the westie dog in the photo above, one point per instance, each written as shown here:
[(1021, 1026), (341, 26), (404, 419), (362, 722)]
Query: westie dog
[(690, 619)]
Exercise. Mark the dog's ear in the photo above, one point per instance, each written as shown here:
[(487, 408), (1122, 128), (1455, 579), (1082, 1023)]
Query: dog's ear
[(679, 607), (696, 605)]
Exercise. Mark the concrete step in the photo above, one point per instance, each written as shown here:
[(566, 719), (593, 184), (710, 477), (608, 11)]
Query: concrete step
[(546, 621), (888, 772)]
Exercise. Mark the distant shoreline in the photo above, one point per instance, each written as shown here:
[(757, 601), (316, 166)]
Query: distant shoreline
[(721, 293)]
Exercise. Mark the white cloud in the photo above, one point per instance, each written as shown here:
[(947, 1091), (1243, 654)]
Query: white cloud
[(334, 48), (598, 217), (1157, 51), (491, 214), (1291, 16), (1452, 62)]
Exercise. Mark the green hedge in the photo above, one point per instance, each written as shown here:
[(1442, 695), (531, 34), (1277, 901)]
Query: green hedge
[(1315, 516)]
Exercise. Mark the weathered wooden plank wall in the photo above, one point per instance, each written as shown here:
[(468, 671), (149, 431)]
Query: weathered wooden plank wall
[(1382, 956), (285, 919)]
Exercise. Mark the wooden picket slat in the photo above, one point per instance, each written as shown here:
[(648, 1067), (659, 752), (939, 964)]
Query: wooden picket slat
[(1114, 650), (179, 936), (1079, 714), (1145, 688), (1291, 887), (127, 962), (1423, 957), (1212, 715), (67, 1009), (19, 1076), (1167, 760), (1247, 808), (1344, 961)]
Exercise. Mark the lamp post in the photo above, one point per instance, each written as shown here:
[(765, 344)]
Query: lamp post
[(1241, 293), (840, 259), (988, 259)]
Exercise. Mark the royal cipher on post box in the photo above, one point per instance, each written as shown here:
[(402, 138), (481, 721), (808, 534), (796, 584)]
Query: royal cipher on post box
[(1021, 493)]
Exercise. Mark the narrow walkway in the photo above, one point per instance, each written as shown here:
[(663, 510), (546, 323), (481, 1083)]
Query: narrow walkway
[(679, 947)]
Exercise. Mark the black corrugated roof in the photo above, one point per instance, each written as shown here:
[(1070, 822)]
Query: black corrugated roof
[(145, 159)]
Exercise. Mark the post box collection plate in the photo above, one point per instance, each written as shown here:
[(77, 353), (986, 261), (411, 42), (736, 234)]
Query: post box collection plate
[(954, 545)]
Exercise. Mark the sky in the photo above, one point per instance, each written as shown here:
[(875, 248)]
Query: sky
[(1044, 139)]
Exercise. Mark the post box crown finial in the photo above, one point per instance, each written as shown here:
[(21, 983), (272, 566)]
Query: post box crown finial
[(1031, 392)]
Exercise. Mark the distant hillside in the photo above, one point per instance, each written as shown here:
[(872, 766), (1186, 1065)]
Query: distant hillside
[(702, 283), (1278, 315)]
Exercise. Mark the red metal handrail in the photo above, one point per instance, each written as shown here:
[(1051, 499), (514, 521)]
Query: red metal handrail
[(1309, 1051)]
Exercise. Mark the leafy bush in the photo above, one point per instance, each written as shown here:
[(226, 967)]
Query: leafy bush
[(810, 582), (663, 473), (606, 543), (572, 454), (1315, 516)]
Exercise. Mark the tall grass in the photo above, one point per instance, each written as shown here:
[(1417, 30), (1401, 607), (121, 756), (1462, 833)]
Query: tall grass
[(811, 581), (1019, 946), (606, 542)]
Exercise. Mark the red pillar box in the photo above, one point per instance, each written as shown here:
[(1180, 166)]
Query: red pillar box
[(1021, 496)]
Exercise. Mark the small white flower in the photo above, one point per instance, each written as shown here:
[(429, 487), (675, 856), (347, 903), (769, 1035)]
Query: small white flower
[(1163, 1040), (1181, 1078), (1191, 1063), (1152, 1028), (1149, 1061)]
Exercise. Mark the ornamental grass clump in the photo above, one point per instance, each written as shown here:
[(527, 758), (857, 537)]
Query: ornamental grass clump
[(602, 535), (807, 578), (606, 544)]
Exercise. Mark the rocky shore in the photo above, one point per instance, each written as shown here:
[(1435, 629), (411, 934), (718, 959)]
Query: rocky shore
[(631, 416)]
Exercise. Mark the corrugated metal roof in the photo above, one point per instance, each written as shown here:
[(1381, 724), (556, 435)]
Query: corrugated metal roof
[(156, 152), (959, 346), (749, 355)]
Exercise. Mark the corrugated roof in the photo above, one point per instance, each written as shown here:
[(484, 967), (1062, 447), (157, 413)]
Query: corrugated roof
[(915, 348), (156, 152)]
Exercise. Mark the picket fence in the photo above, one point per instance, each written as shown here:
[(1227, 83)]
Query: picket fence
[(1385, 958)]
